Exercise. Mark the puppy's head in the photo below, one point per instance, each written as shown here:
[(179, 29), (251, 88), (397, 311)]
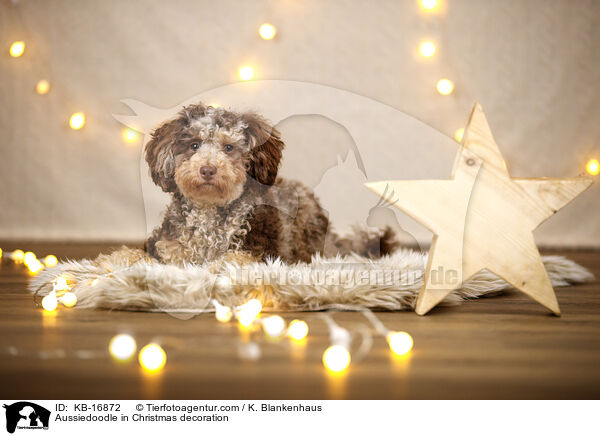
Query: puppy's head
[(207, 154)]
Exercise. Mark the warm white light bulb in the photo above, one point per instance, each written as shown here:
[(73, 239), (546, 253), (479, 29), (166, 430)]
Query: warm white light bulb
[(445, 86), (50, 261), (458, 135), (18, 256), (60, 284), (17, 48), (427, 49), (29, 257), (122, 347), (223, 314), (429, 5), (152, 357), (35, 266), (248, 312), (336, 358), (129, 135), (400, 342), (42, 87), (298, 330), (274, 326), (267, 31), (593, 167), (77, 120), (69, 299), (246, 73), (49, 302)]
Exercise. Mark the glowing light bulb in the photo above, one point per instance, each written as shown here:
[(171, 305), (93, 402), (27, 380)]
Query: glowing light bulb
[(593, 167), (246, 73), (400, 342), (60, 284), (223, 314), (129, 135), (122, 347), (69, 299), (274, 326), (35, 266), (445, 86), (429, 5), (248, 312), (267, 31), (298, 330), (152, 357), (336, 358), (49, 302), (29, 257), (17, 256), (50, 261), (42, 87), (0, 254), (17, 48), (427, 49), (77, 120), (458, 135)]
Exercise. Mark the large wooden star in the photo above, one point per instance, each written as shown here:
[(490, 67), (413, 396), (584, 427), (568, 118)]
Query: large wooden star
[(482, 219)]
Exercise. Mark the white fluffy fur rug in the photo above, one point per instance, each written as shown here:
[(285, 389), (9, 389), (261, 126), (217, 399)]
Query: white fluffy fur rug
[(129, 281)]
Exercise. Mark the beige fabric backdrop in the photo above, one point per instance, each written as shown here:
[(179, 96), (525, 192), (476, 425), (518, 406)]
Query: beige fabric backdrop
[(534, 66)]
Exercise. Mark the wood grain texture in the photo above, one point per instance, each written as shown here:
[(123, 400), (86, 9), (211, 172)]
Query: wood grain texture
[(486, 222), (501, 347)]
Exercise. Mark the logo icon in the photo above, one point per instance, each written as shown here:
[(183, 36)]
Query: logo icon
[(26, 415)]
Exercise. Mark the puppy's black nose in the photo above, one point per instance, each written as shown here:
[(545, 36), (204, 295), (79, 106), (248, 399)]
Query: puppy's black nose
[(208, 172)]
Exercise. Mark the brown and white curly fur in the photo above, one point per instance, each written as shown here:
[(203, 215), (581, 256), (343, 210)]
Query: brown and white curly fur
[(227, 201)]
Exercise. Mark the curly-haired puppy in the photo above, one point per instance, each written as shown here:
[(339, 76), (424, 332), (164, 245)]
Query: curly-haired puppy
[(221, 169)]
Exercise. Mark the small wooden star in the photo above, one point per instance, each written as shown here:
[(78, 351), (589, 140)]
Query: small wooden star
[(482, 218)]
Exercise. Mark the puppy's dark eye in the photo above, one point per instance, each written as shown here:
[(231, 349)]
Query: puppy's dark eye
[(228, 148), (195, 146)]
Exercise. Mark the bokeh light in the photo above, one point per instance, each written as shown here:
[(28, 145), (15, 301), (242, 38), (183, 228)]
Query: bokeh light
[(77, 120), (336, 358), (445, 86), (267, 31), (42, 87), (274, 326), (17, 48), (50, 261), (246, 73), (17, 256), (49, 302), (69, 299), (429, 5), (427, 49), (129, 135), (298, 330), (122, 347), (223, 314), (152, 357), (593, 167), (400, 342)]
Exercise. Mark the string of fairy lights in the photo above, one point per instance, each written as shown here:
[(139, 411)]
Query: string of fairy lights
[(267, 32), (152, 357)]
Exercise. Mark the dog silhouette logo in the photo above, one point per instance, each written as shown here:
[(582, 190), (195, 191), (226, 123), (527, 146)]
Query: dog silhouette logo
[(26, 415)]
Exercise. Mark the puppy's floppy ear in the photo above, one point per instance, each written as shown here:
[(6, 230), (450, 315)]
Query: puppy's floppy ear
[(266, 149), (160, 153)]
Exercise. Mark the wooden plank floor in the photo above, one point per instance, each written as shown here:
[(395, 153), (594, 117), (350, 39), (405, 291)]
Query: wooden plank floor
[(504, 347)]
